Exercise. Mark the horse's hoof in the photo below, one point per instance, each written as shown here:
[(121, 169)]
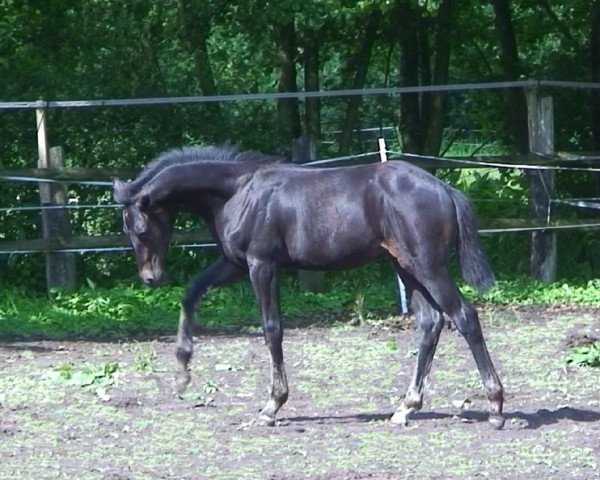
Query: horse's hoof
[(400, 418), (266, 420), (497, 421)]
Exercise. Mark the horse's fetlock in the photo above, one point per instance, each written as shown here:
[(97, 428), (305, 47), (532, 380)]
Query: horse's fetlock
[(413, 400), (281, 397), (183, 355), (496, 394)]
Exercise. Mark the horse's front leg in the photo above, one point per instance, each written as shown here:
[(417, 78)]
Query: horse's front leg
[(264, 282), (218, 274)]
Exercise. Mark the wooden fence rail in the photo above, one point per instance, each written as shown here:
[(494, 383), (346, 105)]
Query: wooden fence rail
[(203, 238)]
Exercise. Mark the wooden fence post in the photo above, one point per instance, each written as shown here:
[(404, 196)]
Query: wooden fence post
[(541, 185), (304, 150), (60, 266)]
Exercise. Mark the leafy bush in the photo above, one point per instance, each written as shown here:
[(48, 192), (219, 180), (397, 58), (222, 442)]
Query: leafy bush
[(133, 310), (526, 291)]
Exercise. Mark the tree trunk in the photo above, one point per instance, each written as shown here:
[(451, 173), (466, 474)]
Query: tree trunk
[(441, 63), (515, 117), (595, 71), (312, 106), (543, 244), (408, 20), (288, 116), (423, 62), (360, 65), (595, 77), (196, 26)]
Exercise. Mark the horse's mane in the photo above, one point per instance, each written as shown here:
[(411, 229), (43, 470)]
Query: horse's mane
[(185, 155)]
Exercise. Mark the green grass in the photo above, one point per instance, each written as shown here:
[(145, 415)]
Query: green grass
[(127, 310)]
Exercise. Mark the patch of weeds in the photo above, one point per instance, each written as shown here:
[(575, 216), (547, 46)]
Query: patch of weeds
[(203, 397), (586, 355), (144, 357), (102, 375), (210, 387), (525, 291), (504, 316), (358, 314), (391, 345)]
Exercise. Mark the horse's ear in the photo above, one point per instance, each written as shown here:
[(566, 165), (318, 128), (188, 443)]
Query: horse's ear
[(121, 191)]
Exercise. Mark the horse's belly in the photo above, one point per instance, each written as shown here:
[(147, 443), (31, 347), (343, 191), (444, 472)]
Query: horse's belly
[(331, 251)]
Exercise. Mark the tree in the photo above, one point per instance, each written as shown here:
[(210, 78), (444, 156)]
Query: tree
[(515, 116), (358, 66), (288, 115), (424, 60), (196, 24), (594, 63)]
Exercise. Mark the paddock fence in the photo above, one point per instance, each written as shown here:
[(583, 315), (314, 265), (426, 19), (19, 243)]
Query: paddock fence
[(56, 181)]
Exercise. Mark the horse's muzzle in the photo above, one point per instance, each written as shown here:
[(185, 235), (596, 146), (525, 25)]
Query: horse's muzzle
[(151, 278)]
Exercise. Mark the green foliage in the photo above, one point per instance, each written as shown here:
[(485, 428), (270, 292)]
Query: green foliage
[(75, 50), (586, 355), (526, 291), (134, 311)]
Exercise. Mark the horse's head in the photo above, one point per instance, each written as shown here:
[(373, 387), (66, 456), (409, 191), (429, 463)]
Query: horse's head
[(149, 229)]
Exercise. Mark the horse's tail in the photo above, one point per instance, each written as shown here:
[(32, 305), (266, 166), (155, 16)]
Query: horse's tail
[(474, 265)]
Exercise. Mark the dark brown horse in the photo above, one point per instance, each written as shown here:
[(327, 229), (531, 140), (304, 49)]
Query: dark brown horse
[(266, 215)]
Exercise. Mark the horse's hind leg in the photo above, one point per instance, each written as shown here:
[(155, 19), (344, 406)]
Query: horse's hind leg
[(467, 322), (429, 323), (264, 281), (465, 317), (218, 274)]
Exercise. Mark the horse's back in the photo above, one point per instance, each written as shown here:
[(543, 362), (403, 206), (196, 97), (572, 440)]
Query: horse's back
[(334, 217)]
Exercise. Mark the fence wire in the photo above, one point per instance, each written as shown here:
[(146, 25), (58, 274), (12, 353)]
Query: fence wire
[(582, 203), (131, 129)]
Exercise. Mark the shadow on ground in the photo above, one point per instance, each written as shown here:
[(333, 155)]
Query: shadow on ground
[(532, 421)]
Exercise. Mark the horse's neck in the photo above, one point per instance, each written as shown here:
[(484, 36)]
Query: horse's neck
[(201, 188)]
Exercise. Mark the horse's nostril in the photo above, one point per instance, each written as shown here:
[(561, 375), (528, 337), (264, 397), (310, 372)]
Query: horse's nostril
[(149, 281)]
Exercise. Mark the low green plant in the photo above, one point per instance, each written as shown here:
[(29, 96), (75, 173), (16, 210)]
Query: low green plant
[(144, 357), (210, 387), (102, 375), (358, 309), (586, 355)]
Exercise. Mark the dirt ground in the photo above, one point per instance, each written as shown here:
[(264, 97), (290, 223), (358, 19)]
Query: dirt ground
[(88, 410)]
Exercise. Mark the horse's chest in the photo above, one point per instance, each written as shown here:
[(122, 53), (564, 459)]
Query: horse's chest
[(248, 226)]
